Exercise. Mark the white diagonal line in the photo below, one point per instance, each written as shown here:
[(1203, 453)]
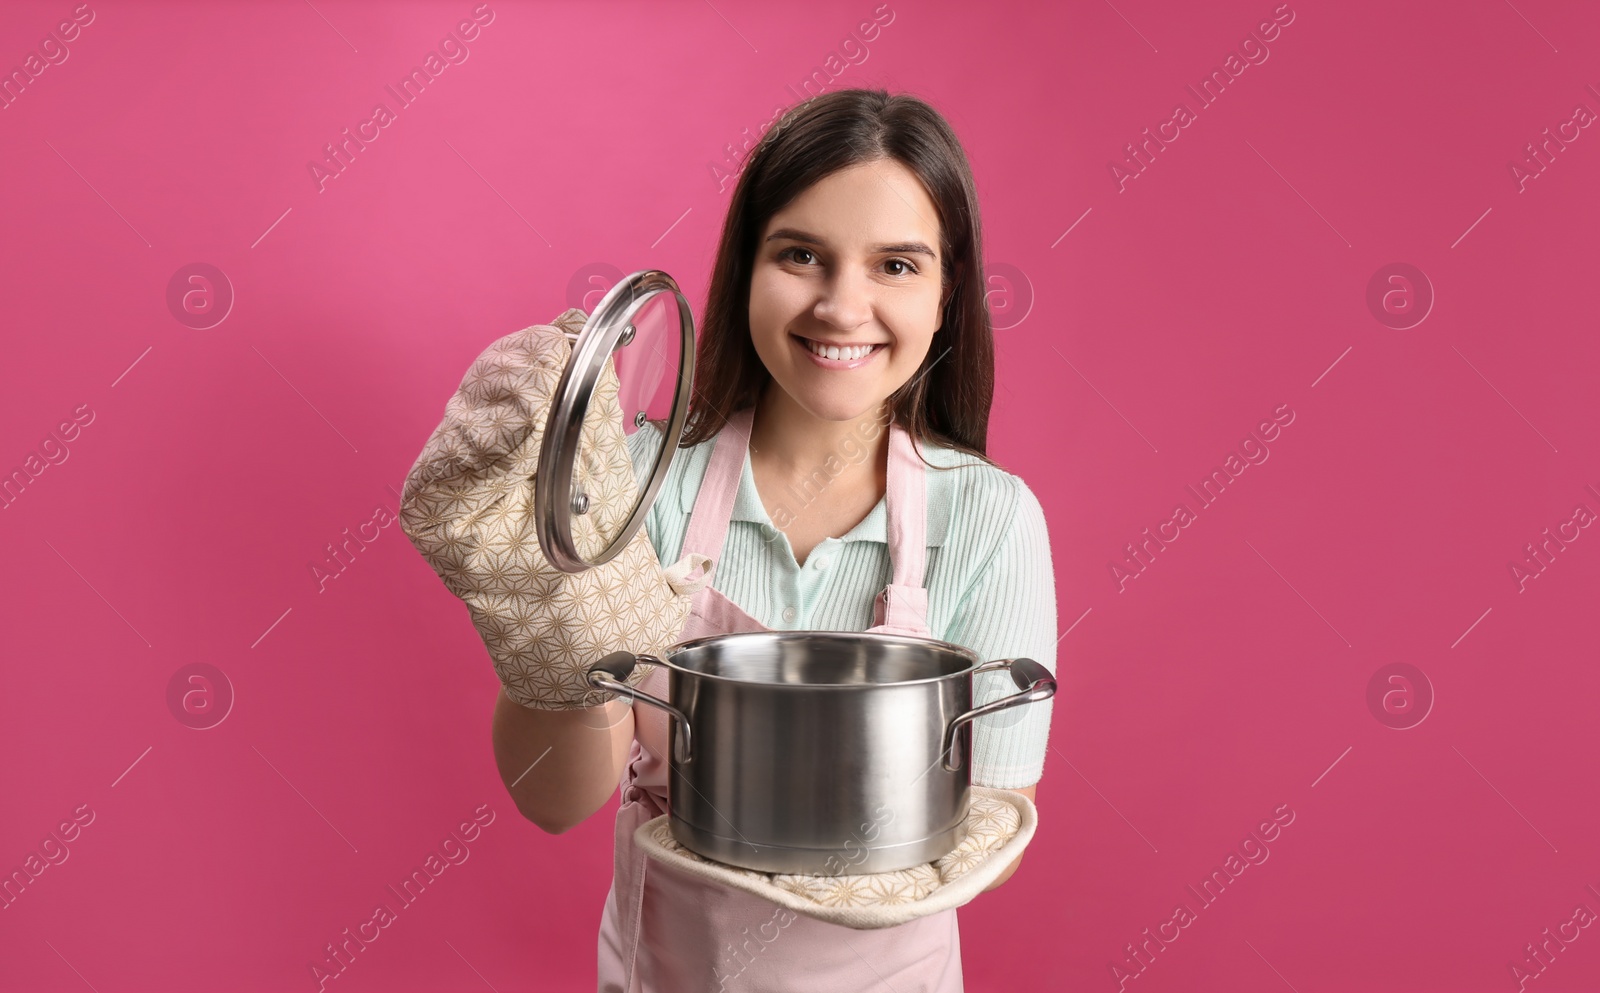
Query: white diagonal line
[(497, 193), (1502, 396), (1102, 396), (736, 31), (130, 768), (335, 30), (1469, 630), (670, 227), (529, 769), (1336, 361), (1302, 197), (1300, 595), (269, 629), (1502, 796), (302, 396), (1136, 31), (1329, 769), (471, 966), (72, 967), (100, 595), (1469, 229), (101, 196), (308, 802), (1102, 796), (1069, 230), (1272, 967), (130, 368), (1536, 31), (269, 229), (1074, 624)]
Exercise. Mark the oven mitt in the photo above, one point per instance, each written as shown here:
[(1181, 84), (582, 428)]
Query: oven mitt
[(999, 825), (467, 506)]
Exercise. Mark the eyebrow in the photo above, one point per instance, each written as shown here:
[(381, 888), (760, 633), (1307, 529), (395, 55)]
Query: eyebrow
[(908, 247)]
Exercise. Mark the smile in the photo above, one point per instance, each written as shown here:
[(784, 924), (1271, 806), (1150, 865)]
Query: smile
[(837, 357)]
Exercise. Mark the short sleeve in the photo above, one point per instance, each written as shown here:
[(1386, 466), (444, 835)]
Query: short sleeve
[(1009, 611)]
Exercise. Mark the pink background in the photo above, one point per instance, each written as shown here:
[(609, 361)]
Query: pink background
[(1228, 678)]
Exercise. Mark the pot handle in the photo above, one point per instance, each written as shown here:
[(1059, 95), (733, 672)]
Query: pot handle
[(1033, 679), (611, 674)]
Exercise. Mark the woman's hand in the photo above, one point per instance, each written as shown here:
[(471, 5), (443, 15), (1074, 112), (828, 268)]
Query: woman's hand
[(469, 508), (560, 766)]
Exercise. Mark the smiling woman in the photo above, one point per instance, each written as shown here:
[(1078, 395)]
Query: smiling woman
[(845, 363), (846, 354)]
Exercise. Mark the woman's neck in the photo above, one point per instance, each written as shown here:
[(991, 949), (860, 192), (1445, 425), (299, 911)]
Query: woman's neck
[(816, 478), (795, 442)]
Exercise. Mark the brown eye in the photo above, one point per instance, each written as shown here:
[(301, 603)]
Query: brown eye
[(905, 262)]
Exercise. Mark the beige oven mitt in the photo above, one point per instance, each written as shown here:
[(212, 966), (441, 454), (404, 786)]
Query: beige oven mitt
[(999, 825), (467, 506)]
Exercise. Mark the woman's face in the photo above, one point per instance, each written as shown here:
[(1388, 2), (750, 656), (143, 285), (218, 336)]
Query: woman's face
[(852, 261)]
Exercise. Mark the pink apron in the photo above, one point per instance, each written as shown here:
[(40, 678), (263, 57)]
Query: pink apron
[(666, 932)]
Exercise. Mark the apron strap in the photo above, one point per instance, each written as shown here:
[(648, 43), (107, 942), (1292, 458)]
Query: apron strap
[(713, 505), (903, 603), (902, 606), (907, 500)]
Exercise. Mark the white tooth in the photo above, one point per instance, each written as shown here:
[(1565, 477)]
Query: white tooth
[(832, 352)]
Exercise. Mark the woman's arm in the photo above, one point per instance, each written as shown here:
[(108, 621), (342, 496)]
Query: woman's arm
[(1009, 611), (560, 766)]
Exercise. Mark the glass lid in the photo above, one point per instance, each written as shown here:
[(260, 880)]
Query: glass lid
[(628, 379)]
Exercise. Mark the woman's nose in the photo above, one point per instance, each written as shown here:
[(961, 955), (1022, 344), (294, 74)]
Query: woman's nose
[(846, 301)]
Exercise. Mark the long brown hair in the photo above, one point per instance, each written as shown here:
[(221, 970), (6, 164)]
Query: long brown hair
[(948, 399)]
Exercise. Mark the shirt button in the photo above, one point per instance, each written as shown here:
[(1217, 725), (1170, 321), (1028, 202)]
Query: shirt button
[(788, 614), (821, 561)]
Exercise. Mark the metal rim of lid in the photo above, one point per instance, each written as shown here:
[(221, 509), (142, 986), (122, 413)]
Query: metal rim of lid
[(610, 327)]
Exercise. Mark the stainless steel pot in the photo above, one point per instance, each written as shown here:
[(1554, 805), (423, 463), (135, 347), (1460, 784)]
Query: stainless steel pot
[(820, 752)]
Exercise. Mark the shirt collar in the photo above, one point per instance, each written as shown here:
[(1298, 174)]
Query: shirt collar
[(747, 504)]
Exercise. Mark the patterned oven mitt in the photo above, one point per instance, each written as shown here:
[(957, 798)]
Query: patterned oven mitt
[(467, 506), (999, 825)]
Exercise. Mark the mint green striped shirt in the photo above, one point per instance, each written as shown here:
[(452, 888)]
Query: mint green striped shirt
[(991, 585)]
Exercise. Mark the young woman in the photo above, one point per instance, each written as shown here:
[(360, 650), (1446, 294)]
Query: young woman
[(835, 449)]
